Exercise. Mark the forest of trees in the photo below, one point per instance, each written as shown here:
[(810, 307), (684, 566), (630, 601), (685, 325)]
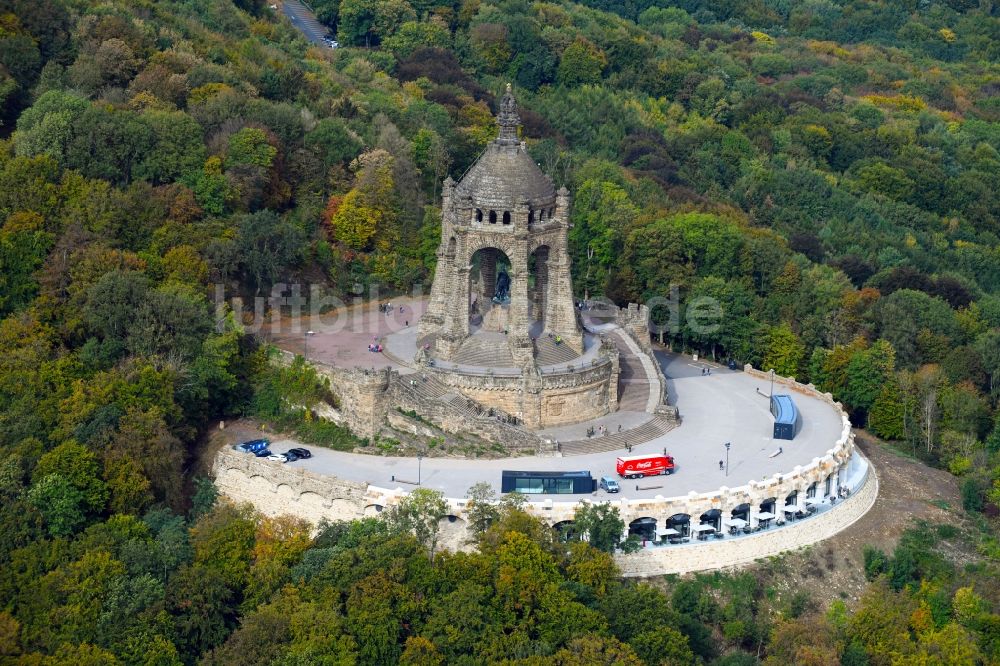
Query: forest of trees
[(828, 170)]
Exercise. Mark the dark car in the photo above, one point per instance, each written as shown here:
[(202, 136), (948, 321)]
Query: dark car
[(300, 453), (253, 446), (263, 453), (291, 455)]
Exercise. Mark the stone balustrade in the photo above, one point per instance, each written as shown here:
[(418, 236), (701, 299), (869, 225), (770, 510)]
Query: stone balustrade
[(733, 552), (276, 489)]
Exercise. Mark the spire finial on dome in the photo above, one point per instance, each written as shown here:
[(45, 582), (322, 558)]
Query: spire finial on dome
[(508, 119)]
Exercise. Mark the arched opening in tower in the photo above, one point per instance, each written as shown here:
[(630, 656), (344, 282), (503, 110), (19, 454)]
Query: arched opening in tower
[(538, 288), (489, 289)]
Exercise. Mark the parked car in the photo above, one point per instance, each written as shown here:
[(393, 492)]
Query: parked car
[(252, 446), (263, 453), (291, 456), (278, 457), (301, 453), (609, 485)]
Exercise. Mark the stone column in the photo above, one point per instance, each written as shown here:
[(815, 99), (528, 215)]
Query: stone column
[(487, 278), (456, 319), (518, 323), (433, 319), (517, 329), (560, 312), (540, 294)]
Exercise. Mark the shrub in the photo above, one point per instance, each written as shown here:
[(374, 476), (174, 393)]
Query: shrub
[(876, 562), (972, 494)]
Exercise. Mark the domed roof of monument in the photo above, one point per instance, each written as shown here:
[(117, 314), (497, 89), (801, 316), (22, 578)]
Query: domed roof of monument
[(505, 174)]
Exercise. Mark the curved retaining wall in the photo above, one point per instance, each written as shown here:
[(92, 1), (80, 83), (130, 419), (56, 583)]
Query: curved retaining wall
[(733, 552), (541, 400), (275, 490)]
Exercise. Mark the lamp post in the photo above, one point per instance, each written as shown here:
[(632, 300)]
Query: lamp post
[(772, 383), (420, 457), (306, 339), (728, 444)]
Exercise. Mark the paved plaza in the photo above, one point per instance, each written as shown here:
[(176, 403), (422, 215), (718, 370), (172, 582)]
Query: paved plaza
[(726, 406), (341, 338)]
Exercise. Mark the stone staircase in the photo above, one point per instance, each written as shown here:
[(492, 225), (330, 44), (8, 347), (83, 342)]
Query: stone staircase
[(547, 352), (453, 412), (485, 351), (432, 388), (633, 385), (648, 431)]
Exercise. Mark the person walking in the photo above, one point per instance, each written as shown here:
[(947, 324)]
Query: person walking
[(722, 465)]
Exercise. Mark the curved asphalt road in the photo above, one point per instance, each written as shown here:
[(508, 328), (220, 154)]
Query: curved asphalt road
[(305, 21), (723, 407)]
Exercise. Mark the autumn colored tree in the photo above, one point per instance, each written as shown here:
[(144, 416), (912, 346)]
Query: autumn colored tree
[(368, 22), (783, 352), (581, 62), (367, 214), (601, 525), (420, 514)]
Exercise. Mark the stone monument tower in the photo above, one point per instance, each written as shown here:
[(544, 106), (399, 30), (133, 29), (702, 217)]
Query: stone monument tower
[(503, 269)]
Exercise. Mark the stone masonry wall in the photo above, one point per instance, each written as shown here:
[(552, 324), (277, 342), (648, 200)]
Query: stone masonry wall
[(558, 398), (360, 393), (453, 420), (275, 490), (367, 397), (708, 555)]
